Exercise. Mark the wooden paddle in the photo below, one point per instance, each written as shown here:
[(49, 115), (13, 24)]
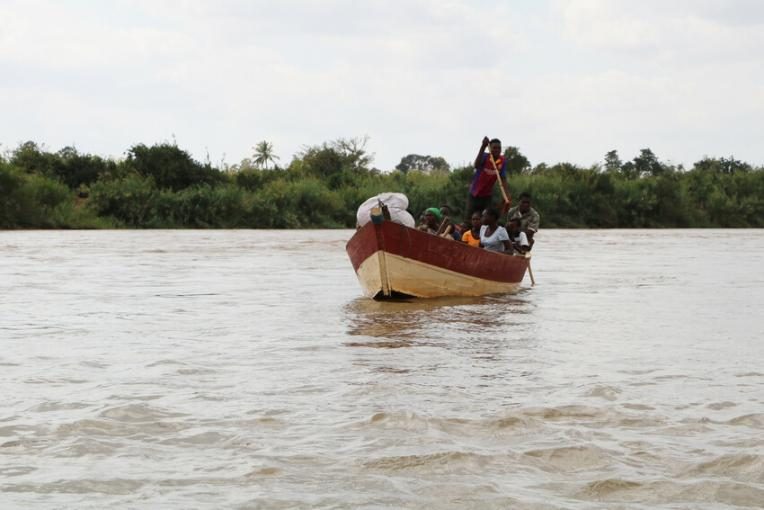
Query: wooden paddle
[(505, 209), (442, 232), (530, 271)]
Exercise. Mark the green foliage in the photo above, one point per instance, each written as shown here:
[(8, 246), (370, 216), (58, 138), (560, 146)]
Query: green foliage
[(163, 187), (207, 207), (647, 164), (15, 207), (425, 191), (324, 163), (612, 161), (36, 201), (722, 166), (75, 169), (32, 159), (264, 154), (130, 200), (337, 164), (426, 164), (170, 167), (517, 163), (253, 179), (67, 165), (301, 204)]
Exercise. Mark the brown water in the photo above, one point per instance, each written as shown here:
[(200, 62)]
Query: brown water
[(243, 369)]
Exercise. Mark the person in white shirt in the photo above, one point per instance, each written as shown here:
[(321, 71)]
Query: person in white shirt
[(517, 237), (493, 236)]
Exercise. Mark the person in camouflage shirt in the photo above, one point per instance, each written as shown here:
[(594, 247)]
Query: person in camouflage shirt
[(528, 216)]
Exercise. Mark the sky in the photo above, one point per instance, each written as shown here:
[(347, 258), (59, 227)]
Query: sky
[(561, 80)]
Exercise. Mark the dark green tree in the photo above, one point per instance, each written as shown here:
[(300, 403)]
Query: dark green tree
[(170, 167), (723, 166), (75, 169), (353, 151), (612, 161), (33, 159), (517, 163), (337, 163), (426, 164), (647, 163)]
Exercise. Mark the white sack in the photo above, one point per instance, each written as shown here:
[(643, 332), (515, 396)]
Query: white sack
[(396, 203)]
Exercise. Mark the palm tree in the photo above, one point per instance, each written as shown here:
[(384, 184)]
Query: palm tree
[(264, 154)]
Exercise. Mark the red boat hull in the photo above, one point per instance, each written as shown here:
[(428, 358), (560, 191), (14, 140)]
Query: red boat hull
[(391, 259)]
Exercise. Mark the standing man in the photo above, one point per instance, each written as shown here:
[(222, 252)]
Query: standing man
[(528, 216), (486, 175)]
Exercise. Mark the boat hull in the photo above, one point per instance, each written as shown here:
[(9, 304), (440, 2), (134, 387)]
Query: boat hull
[(393, 260)]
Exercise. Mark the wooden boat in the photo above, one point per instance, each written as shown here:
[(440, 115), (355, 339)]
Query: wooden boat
[(392, 260)]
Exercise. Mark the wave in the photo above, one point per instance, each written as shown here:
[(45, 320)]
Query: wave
[(571, 458), (739, 467), (450, 460)]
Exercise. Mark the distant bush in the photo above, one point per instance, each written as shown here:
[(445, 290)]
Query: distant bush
[(35, 201), (130, 201), (162, 186), (170, 167), (208, 207), (67, 165)]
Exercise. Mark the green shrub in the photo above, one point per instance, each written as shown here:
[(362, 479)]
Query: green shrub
[(130, 201)]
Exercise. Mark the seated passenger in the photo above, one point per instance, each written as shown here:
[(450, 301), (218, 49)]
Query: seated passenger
[(517, 237), (459, 230), (430, 221), (446, 228), (471, 236), (493, 236), (529, 217)]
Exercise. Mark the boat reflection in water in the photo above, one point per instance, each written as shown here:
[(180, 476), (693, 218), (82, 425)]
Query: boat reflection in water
[(488, 337), (413, 322)]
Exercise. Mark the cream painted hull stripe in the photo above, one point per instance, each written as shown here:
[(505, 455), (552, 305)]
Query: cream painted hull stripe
[(422, 280)]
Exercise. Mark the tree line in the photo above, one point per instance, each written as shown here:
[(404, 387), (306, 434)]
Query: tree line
[(162, 186)]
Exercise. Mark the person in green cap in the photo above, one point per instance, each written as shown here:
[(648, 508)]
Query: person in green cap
[(431, 220)]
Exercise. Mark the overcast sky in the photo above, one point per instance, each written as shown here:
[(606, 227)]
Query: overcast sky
[(561, 80)]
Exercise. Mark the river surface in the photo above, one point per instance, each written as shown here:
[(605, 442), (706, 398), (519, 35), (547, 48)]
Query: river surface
[(244, 369)]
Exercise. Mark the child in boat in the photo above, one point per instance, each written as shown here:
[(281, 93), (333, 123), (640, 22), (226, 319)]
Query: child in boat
[(519, 239), (471, 234), (459, 230), (493, 236)]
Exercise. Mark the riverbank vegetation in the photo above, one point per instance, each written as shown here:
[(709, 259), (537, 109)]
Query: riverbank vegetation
[(162, 186)]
